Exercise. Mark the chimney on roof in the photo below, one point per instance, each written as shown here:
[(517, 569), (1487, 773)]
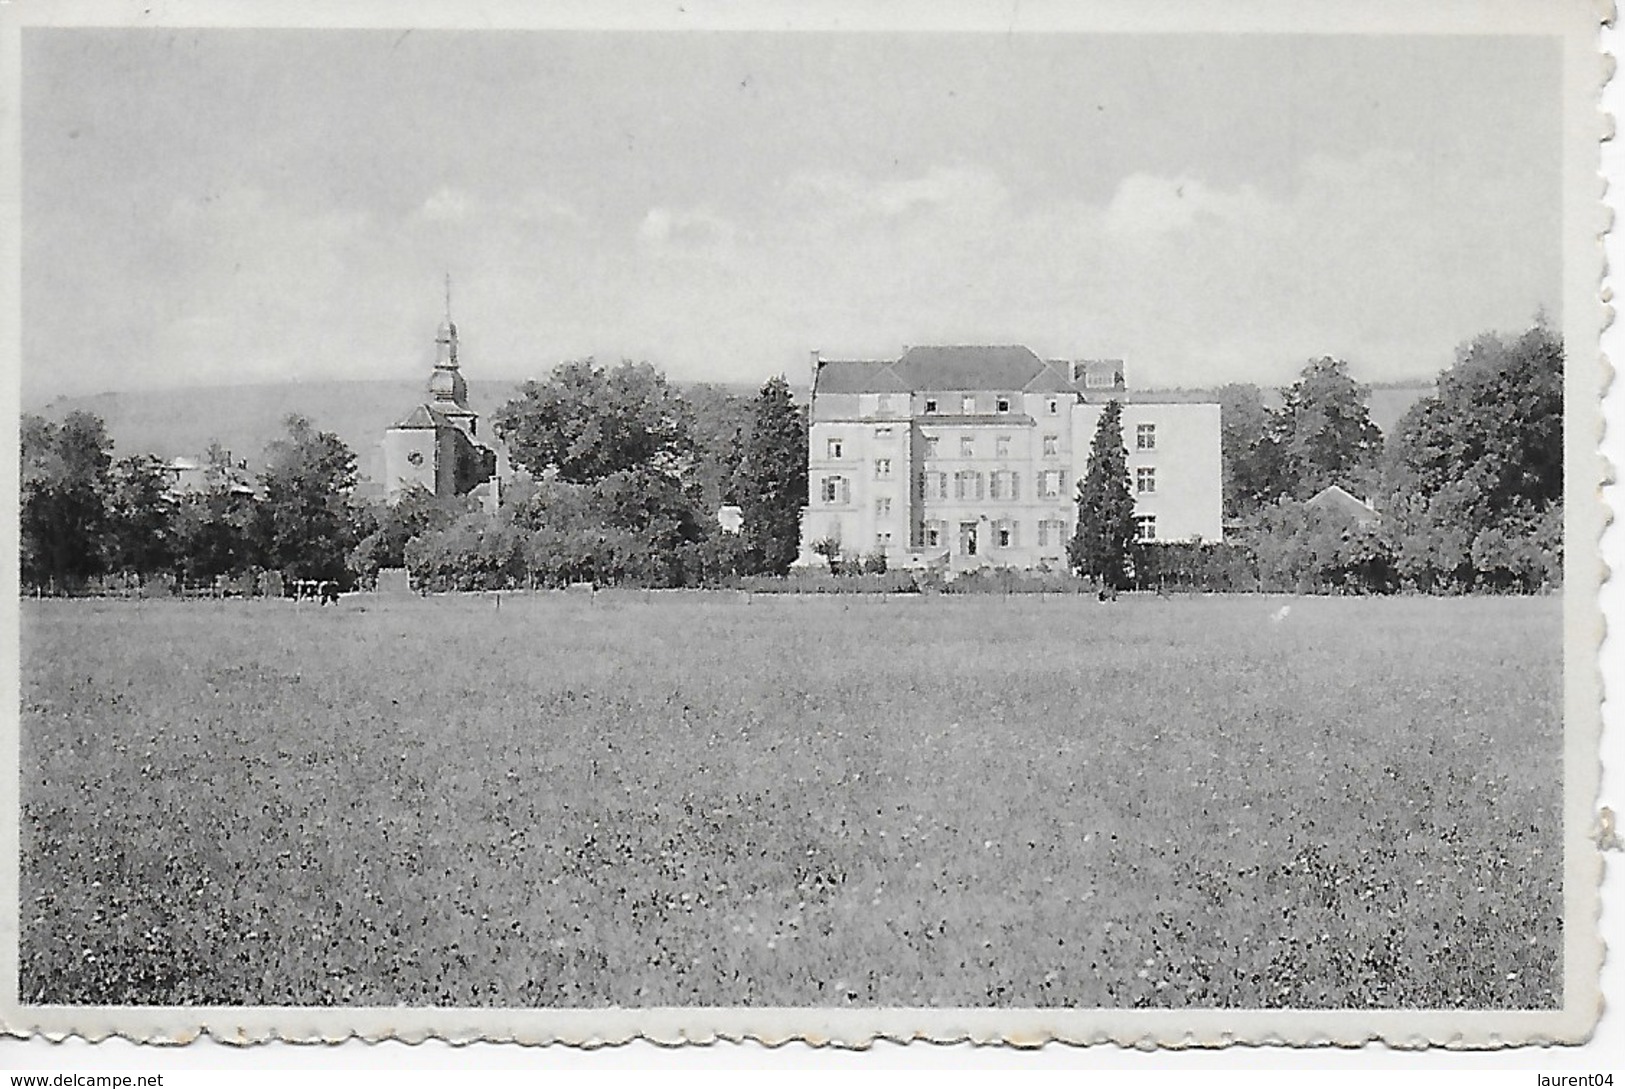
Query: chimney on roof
[(814, 361)]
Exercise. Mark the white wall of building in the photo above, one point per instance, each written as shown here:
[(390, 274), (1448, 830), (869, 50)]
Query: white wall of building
[(1186, 494)]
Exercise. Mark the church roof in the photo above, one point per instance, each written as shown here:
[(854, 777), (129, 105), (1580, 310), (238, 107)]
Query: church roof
[(423, 418)]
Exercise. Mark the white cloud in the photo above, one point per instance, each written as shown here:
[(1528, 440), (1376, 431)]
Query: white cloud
[(1145, 205), (840, 196), (692, 231), (447, 205)]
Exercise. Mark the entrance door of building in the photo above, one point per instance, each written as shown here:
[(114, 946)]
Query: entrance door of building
[(967, 538)]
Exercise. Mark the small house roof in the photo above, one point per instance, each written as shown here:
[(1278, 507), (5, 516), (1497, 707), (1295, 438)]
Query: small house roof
[(1336, 498)]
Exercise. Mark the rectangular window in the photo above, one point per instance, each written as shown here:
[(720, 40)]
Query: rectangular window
[(1051, 531), (883, 434), (930, 446), (1051, 483), (834, 447), (882, 540), (967, 484), (1054, 407), (882, 468), (835, 489), (883, 507), (1145, 527), (1004, 404), (932, 534), (1052, 445), (930, 404), (1005, 535), (1145, 480), (967, 404), (967, 446), (1145, 437), (1001, 446), (935, 485), (1006, 485), (1102, 376), (885, 404)]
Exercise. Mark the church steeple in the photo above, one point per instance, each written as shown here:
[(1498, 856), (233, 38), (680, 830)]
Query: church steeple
[(448, 390), (446, 339)]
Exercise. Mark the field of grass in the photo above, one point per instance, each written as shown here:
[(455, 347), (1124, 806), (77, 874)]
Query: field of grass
[(688, 799)]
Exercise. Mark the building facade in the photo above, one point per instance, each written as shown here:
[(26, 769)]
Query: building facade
[(969, 456)]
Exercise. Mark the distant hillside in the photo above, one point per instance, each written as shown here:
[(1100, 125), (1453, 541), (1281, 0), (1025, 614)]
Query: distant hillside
[(244, 419)]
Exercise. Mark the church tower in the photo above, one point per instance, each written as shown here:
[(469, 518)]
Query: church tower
[(436, 446), (448, 391)]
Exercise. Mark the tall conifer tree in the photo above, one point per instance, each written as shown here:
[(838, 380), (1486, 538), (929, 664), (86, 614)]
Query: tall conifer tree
[(1099, 548), (773, 485)]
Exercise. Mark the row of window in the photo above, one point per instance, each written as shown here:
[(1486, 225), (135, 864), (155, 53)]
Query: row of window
[(1004, 484), (968, 484), (1006, 533), (1145, 438), (1001, 405)]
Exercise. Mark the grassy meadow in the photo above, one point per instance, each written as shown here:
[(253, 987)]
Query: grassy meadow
[(691, 799)]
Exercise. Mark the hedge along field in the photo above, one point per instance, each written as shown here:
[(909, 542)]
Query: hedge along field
[(681, 799)]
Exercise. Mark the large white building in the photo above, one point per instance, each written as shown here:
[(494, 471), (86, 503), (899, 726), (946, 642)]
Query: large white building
[(970, 456)]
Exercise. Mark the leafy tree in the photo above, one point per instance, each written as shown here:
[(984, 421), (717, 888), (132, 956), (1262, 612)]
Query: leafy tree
[(384, 531), (773, 479), (719, 424), (1302, 550), (1253, 465), (586, 422), (141, 517), (1495, 427), (649, 523), (305, 510), (476, 552), (1099, 548), (1475, 472), (219, 531), (63, 509), (1324, 432)]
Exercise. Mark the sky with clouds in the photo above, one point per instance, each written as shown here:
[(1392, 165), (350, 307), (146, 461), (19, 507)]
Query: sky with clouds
[(221, 206)]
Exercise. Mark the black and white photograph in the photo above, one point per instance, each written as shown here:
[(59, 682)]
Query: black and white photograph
[(557, 527)]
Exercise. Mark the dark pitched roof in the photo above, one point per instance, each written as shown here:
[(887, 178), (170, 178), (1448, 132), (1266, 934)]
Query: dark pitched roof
[(1336, 498), (947, 367), (423, 418), (954, 367), (1054, 378), (859, 376)]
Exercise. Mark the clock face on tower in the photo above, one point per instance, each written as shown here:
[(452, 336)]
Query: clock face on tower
[(415, 457)]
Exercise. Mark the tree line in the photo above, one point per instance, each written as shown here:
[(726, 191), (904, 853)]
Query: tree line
[(1466, 494), (623, 476)]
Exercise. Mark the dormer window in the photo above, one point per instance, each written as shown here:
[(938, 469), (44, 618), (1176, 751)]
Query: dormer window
[(930, 404), (1004, 404), (967, 404)]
